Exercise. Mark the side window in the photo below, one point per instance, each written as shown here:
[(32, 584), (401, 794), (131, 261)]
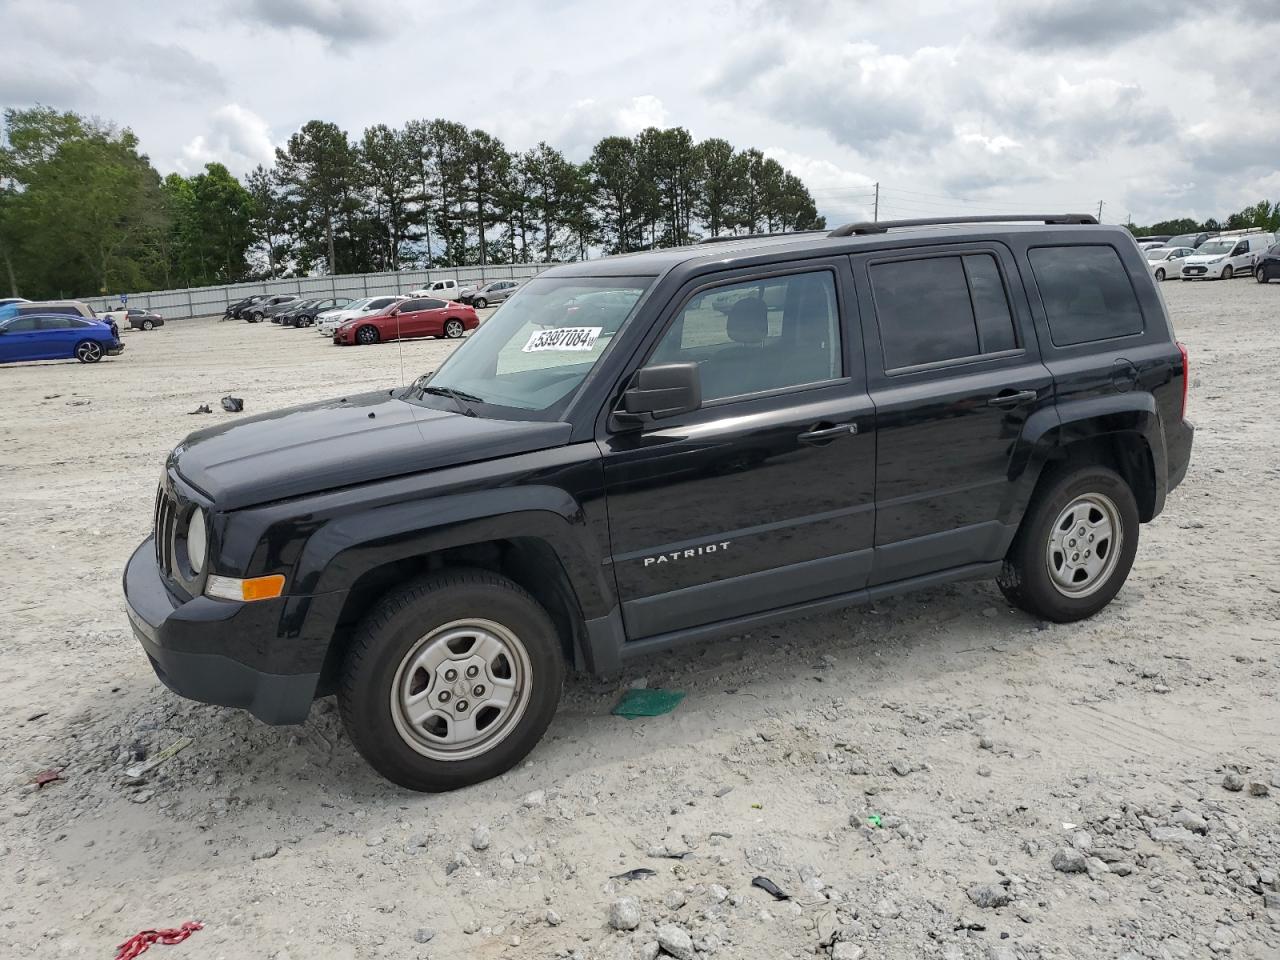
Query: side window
[(431, 304), (941, 308), (22, 325), (758, 335), (1086, 293), (56, 323)]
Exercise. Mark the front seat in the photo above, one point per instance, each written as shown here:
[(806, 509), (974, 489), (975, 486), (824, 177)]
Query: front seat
[(741, 368)]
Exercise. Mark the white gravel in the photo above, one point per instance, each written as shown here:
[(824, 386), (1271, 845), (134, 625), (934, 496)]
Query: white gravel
[(1122, 728)]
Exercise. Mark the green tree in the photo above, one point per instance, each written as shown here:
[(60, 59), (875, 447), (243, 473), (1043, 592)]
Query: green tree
[(487, 181), (318, 170), (720, 185), (617, 180), (270, 218), (387, 167)]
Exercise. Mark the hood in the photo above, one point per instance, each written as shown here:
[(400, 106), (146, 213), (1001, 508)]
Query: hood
[(1204, 257), (336, 443)]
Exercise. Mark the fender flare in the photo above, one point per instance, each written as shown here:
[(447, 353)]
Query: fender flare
[(340, 551), (1049, 432)]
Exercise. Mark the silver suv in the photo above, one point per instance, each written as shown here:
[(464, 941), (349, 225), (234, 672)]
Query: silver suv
[(494, 292)]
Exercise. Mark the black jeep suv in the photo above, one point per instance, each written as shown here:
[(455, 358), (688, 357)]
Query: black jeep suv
[(731, 434)]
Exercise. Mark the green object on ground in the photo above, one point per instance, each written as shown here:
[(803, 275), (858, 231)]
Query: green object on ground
[(647, 703), (874, 819)]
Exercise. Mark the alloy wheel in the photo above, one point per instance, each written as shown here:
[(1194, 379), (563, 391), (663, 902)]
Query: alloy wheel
[(1084, 545), (461, 689), (453, 329)]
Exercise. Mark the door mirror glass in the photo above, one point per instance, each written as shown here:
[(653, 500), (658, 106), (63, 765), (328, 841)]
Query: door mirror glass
[(660, 391)]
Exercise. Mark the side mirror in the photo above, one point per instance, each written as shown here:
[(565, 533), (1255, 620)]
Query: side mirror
[(659, 391)]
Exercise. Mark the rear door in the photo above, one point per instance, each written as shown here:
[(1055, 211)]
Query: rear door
[(954, 373), (762, 498)]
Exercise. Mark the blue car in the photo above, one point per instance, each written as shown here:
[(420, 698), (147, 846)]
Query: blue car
[(55, 336)]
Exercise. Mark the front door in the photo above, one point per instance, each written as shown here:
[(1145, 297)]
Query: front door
[(954, 374), (762, 498)]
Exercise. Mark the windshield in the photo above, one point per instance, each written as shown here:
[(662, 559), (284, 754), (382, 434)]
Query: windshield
[(1214, 247), (356, 304), (533, 353), (1183, 240)]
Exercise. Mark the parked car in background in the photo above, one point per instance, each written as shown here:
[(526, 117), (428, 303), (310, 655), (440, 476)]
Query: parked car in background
[(1268, 266), (56, 336), (330, 321), (1192, 240), (233, 311), (140, 319), (1166, 262), (70, 308), (490, 293), (259, 311), (444, 289), (1158, 240), (1225, 257), (305, 313), (407, 320), (6, 301)]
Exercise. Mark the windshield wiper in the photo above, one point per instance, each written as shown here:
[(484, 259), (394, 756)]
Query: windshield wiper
[(457, 396)]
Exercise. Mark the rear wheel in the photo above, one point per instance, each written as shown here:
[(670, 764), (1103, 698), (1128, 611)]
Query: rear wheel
[(1227, 272), (88, 351), (1160, 274), (367, 335), (451, 680), (1260, 273), (453, 328), (481, 303), (1075, 546), (148, 325)]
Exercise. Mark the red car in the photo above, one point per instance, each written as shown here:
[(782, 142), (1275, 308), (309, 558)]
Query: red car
[(421, 317)]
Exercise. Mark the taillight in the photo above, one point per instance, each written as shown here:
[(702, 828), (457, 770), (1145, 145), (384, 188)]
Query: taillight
[(1186, 379)]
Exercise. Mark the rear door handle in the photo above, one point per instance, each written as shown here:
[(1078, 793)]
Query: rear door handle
[(828, 433), (1011, 398)]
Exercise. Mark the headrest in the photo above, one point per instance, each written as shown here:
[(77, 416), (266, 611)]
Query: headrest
[(748, 321)]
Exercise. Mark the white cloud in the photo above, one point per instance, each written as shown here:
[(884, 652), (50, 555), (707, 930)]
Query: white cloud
[(236, 137)]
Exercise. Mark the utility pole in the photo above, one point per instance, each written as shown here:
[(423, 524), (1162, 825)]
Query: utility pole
[(876, 212), (1099, 211)]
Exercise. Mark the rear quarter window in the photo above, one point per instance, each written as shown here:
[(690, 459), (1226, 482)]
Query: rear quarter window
[(1086, 294)]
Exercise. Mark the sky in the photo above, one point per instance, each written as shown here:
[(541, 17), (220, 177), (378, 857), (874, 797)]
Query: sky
[(1156, 109)]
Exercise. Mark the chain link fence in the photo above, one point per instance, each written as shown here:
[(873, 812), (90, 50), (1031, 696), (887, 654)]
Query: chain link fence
[(204, 301)]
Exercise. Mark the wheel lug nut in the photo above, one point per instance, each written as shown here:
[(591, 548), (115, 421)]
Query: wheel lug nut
[(444, 696), (1072, 543), (1075, 556), (472, 671), (451, 675), (461, 706), (478, 690)]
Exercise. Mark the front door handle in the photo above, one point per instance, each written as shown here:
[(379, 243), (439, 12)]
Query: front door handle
[(1010, 398), (828, 433)]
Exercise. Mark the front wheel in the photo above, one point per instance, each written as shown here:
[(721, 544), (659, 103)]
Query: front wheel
[(88, 351), (1227, 272), (148, 325), (451, 680), (480, 303), (453, 329), (1160, 274), (1075, 546), (367, 335), (1260, 274)]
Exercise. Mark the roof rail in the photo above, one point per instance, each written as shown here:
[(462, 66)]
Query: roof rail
[(881, 226), (724, 238)]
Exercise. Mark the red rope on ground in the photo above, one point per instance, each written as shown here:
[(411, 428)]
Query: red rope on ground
[(141, 942)]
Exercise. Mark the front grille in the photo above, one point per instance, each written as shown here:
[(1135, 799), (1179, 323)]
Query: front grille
[(166, 520)]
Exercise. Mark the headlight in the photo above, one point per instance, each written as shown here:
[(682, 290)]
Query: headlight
[(197, 541)]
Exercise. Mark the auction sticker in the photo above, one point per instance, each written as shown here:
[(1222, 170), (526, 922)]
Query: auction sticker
[(563, 338)]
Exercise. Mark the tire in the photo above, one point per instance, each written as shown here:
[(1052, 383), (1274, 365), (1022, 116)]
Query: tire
[(1227, 272), (480, 303), (1160, 275), (367, 335), (1081, 493), (88, 351), (148, 325), (453, 328), (1260, 274), (392, 654)]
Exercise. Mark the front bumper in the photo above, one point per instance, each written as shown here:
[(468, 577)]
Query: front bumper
[(226, 653)]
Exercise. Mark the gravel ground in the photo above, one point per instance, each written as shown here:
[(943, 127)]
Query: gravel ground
[(933, 776)]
